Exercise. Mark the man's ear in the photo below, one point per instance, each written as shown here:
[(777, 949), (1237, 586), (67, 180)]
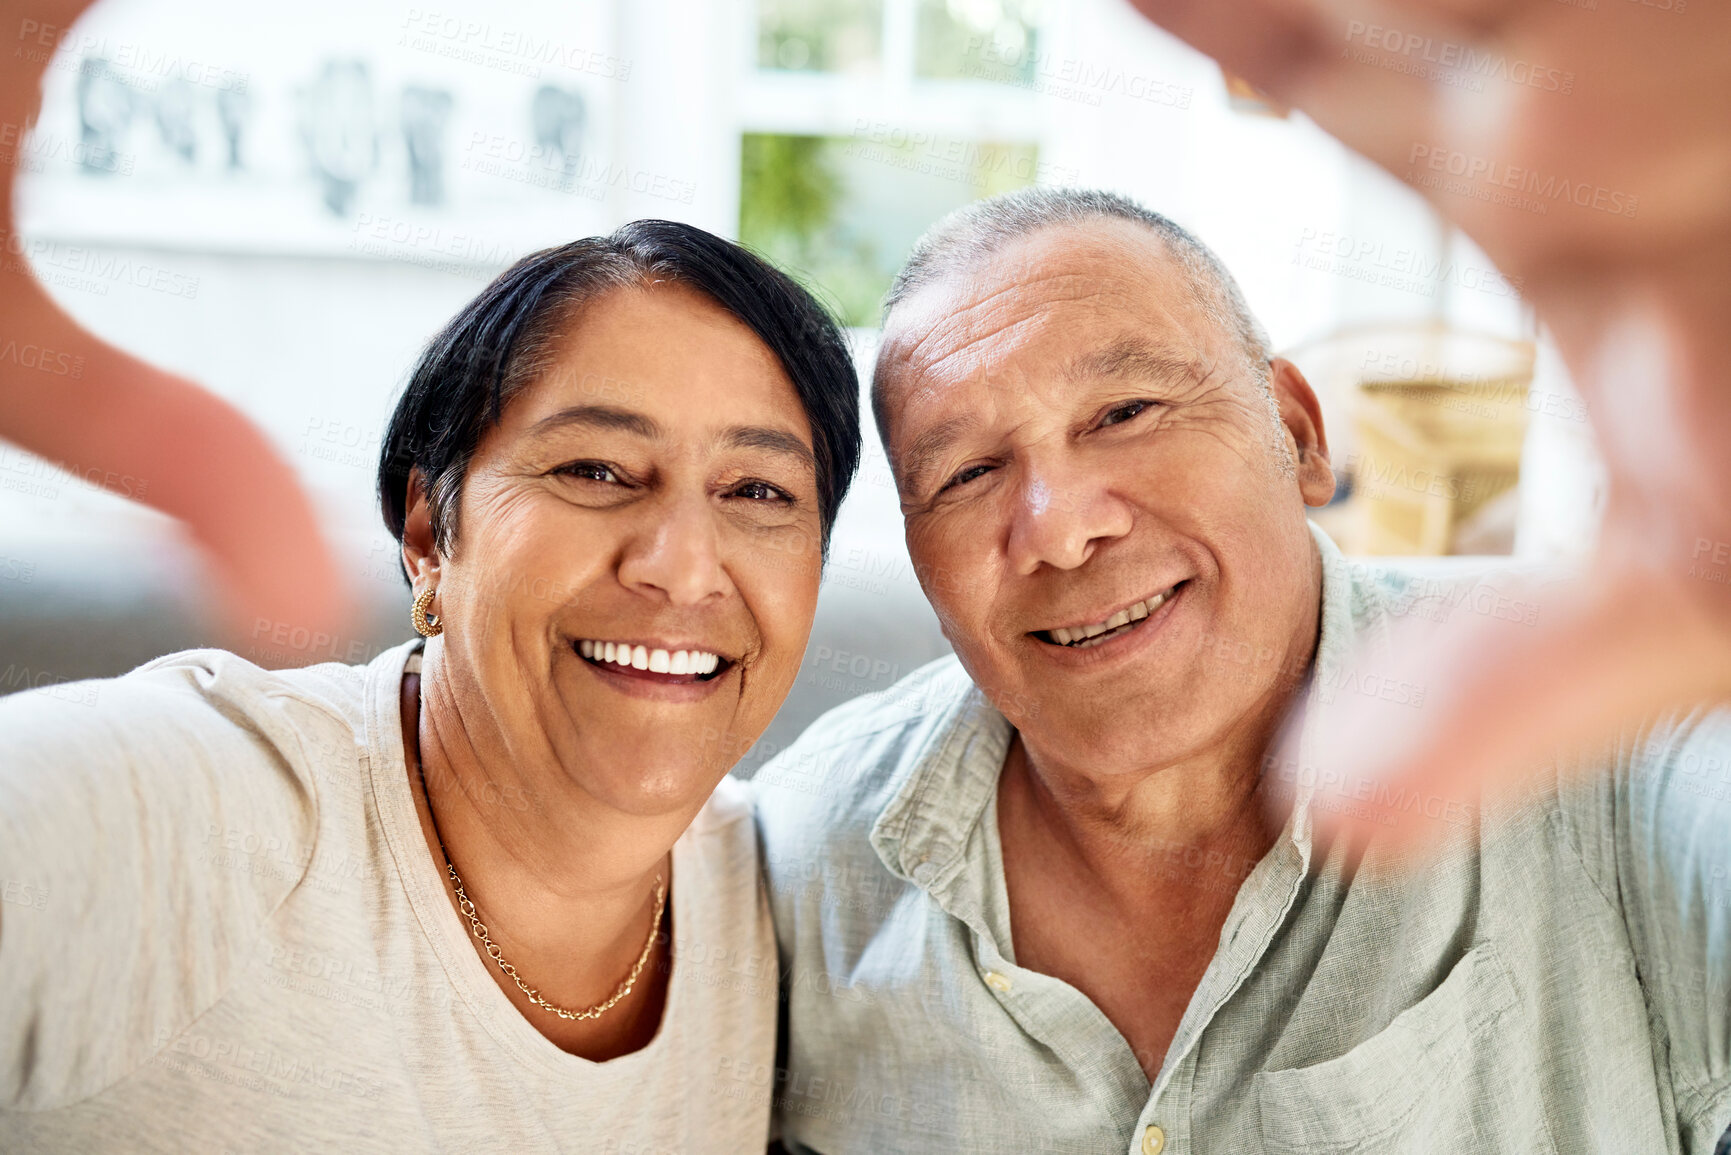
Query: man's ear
[(420, 555), (1301, 414)]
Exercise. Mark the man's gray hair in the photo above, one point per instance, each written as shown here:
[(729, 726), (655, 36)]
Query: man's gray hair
[(972, 233)]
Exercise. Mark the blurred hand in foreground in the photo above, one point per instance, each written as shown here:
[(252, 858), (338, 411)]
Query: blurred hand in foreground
[(131, 428), (1587, 149)]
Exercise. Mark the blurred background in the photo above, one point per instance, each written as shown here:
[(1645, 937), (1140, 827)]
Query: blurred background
[(286, 204)]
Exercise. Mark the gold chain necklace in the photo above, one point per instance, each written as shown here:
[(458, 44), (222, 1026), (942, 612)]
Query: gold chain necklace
[(498, 957)]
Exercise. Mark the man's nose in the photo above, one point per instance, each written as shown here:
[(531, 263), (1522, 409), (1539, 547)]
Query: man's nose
[(1058, 518), (677, 556)]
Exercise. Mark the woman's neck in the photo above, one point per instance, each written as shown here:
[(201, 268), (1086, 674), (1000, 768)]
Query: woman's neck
[(567, 897)]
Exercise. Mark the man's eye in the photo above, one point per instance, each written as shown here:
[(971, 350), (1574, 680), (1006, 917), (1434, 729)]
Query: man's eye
[(760, 491), (966, 476), (1124, 412), (589, 471)]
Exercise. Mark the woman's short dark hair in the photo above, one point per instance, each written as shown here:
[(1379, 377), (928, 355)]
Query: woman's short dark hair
[(505, 339)]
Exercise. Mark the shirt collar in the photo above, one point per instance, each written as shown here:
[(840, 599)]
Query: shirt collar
[(924, 829), (1335, 643), (921, 834)]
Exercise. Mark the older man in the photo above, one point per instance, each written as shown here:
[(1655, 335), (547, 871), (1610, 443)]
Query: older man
[(1059, 893)]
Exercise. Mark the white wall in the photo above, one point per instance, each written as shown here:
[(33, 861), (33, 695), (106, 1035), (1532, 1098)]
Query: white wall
[(309, 322)]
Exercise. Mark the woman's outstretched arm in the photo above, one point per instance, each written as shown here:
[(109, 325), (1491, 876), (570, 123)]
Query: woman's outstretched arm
[(134, 429)]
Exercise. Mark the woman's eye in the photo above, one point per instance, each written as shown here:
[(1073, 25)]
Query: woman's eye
[(760, 491), (1124, 412), (589, 471), (966, 476)]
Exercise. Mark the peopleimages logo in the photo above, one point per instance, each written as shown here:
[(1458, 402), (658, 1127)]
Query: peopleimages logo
[(1400, 267), (144, 65), (1066, 77), (1495, 174), (43, 360), (510, 49), (89, 269), (1463, 58)]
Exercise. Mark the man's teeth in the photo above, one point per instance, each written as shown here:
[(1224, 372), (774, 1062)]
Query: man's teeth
[(698, 662), (1066, 636)]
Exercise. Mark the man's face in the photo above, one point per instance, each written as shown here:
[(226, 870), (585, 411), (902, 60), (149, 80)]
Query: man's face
[(1080, 450)]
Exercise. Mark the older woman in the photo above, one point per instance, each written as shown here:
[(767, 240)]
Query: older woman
[(491, 891)]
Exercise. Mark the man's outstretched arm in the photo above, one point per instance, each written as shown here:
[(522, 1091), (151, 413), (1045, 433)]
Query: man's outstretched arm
[(1625, 146)]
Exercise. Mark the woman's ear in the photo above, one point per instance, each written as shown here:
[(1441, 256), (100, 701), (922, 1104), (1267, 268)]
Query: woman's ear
[(420, 553), (1301, 414)]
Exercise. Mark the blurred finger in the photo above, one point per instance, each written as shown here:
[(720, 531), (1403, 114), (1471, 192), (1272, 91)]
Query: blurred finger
[(1481, 18), (163, 441), (1504, 700), (1330, 59)]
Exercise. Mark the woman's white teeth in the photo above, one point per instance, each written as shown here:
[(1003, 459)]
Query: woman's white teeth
[(1068, 636), (655, 661)]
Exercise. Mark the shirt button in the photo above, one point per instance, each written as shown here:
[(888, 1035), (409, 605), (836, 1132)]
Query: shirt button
[(1153, 1141), (998, 982)]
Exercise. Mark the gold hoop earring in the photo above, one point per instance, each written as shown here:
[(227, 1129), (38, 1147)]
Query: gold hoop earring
[(427, 627)]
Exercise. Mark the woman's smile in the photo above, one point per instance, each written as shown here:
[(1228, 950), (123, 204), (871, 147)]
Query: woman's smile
[(655, 662), (654, 658)]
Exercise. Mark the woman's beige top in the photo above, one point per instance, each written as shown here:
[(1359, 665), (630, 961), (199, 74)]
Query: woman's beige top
[(221, 930)]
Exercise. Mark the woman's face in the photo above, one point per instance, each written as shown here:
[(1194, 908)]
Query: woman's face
[(651, 501)]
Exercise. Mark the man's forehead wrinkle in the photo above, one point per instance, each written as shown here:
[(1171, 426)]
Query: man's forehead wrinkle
[(1133, 355), (948, 318), (945, 333), (1055, 281), (962, 332), (972, 352)]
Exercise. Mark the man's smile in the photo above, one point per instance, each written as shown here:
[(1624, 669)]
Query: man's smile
[(1118, 622)]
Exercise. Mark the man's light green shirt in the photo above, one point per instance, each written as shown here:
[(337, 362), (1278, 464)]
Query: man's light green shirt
[(1558, 979)]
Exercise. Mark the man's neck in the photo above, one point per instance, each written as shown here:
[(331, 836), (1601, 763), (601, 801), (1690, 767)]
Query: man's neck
[(1121, 878), (1143, 835), (1120, 887)]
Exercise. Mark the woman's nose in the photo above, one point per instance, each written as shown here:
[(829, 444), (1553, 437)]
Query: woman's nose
[(678, 556)]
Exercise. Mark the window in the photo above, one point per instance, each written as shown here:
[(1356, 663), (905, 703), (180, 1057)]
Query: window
[(819, 35), (978, 39), (863, 121), (842, 212)]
